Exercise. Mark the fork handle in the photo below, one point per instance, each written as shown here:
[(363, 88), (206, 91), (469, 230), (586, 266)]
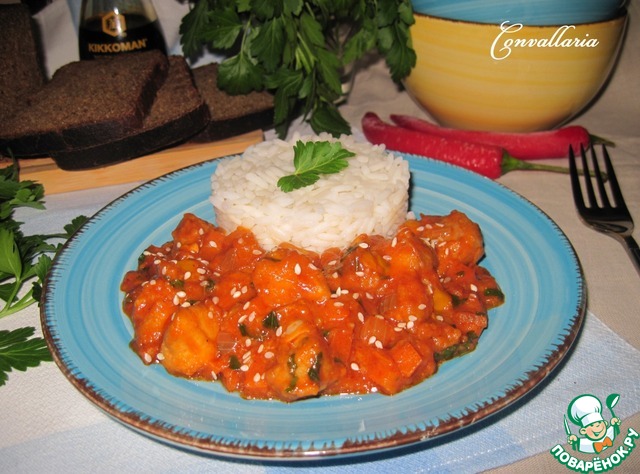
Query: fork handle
[(633, 250)]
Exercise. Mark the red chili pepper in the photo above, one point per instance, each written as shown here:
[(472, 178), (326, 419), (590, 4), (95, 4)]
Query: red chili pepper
[(488, 160), (525, 146)]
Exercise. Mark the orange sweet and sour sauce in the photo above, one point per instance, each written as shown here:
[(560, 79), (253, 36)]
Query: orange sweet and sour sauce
[(289, 324)]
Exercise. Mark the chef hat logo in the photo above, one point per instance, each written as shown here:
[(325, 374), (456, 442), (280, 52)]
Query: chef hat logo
[(584, 410)]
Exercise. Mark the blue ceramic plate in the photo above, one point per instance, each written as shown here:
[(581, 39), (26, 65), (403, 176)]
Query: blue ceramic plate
[(89, 334)]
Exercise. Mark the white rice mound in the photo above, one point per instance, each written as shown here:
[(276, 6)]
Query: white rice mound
[(370, 196)]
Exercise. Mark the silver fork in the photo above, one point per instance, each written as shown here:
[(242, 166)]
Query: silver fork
[(611, 219)]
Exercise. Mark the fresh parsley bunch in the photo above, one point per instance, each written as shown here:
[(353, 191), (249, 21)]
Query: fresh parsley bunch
[(25, 261), (298, 49)]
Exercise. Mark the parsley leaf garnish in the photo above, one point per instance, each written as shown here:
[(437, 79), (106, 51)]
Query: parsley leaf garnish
[(298, 50), (19, 351), (25, 261), (311, 159)]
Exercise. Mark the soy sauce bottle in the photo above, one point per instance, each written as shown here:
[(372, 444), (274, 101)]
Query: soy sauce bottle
[(111, 27)]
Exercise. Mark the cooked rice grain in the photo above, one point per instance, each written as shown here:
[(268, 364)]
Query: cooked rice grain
[(370, 196)]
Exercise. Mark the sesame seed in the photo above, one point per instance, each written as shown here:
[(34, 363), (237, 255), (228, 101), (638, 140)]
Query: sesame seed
[(372, 340), (244, 368), (210, 314), (361, 317), (152, 282), (332, 262), (363, 245), (268, 355), (244, 290), (422, 306), (187, 275), (412, 318), (356, 296), (237, 294), (157, 261), (256, 377), (439, 317), (215, 300), (279, 331), (355, 366), (394, 242), (200, 231), (297, 270), (473, 287), (369, 296), (201, 271), (360, 274), (186, 304), (410, 324), (312, 266), (242, 318), (252, 316), (214, 376), (335, 275), (147, 358), (160, 356), (256, 252), (260, 348), (247, 342), (246, 305), (338, 304), (176, 300), (212, 243), (181, 294), (378, 344), (386, 258), (246, 356), (374, 389)]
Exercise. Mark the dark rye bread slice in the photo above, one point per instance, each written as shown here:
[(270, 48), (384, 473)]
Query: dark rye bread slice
[(230, 114), (177, 113), (86, 102), (21, 70)]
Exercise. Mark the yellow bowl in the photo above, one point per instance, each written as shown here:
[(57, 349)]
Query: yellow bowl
[(510, 77)]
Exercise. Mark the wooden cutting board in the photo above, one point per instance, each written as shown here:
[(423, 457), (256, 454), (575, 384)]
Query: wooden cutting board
[(55, 180)]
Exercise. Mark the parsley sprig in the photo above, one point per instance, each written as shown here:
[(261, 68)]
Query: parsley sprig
[(19, 351), (25, 261), (299, 49), (311, 159)]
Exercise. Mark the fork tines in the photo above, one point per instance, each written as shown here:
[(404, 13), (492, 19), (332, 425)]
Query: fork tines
[(600, 178), (612, 219)]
